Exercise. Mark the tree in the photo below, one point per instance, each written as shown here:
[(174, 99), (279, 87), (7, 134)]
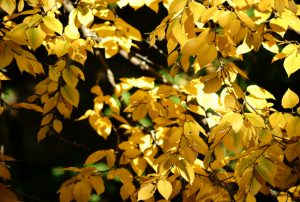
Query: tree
[(198, 130)]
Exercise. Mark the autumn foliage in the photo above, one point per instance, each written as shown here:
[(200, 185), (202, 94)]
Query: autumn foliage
[(205, 139)]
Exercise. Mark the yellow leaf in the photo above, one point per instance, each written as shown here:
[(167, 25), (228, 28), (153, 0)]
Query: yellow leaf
[(71, 94), (165, 188), (53, 24), (266, 169), (57, 125), (8, 6), (289, 99), (50, 104), (85, 16), (192, 46), (139, 112), (206, 54), (139, 165), (293, 127), (6, 56), (291, 63), (235, 119), (28, 106), (42, 133), (71, 32), (97, 183), (255, 120), (47, 119), (78, 72), (291, 19), (35, 37), (186, 170), (259, 92), (146, 192), (98, 155), (3, 77), (69, 77), (250, 198), (177, 5), (17, 34), (277, 120), (82, 191), (172, 58)]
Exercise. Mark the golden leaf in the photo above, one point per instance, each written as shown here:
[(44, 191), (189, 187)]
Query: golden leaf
[(212, 85), (82, 191), (139, 165), (139, 112), (57, 125), (289, 99), (293, 127), (6, 194), (98, 155), (97, 183), (146, 192), (292, 151), (71, 94), (127, 190), (4, 172), (8, 6), (6, 56), (42, 133), (165, 188), (50, 104)]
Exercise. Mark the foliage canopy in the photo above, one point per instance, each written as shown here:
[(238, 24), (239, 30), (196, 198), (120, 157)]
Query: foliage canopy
[(206, 138)]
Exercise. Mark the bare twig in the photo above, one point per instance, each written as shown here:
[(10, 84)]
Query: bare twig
[(134, 58)]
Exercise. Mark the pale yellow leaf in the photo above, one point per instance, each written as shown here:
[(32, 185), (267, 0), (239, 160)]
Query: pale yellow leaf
[(259, 92), (146, 192), (255, 120), (85, 16), (165, 188), (235, 119), (186, 170), (53, 24), (291, 63), (289, 99)]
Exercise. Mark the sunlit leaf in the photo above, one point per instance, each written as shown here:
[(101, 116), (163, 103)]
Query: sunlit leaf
[(289, 99), (71, 94)]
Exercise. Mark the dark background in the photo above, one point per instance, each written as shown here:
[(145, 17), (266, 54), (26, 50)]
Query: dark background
[(36, 175)]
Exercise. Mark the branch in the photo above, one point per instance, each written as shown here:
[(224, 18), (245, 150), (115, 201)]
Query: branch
[(134, 58)]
